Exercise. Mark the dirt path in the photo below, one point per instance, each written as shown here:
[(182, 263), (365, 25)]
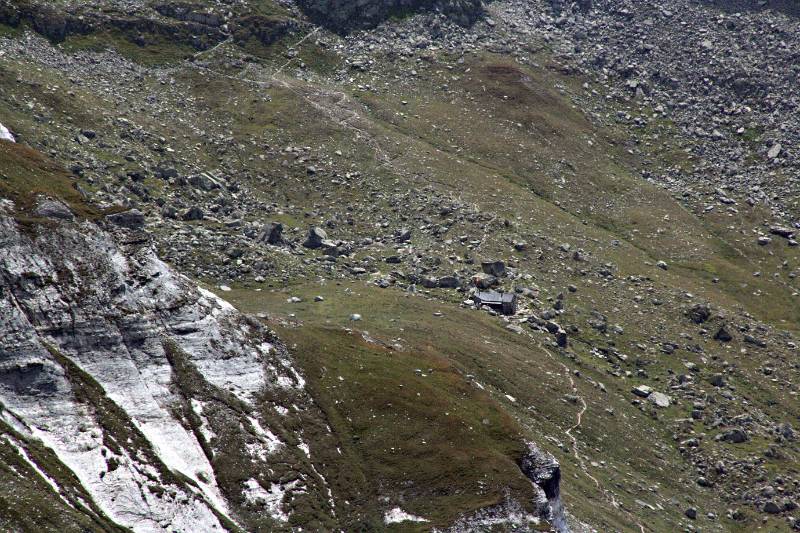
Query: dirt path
[(607, 494)]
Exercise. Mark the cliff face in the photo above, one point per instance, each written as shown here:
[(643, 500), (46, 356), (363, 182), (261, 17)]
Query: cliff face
[(163, 401), (343, 16)]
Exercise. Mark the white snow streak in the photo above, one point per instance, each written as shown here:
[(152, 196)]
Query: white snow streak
[(397, 515), (205, 427), (271, 499), (121, 493), (222, 305), (268, 441), (5, 135), (50, 481)]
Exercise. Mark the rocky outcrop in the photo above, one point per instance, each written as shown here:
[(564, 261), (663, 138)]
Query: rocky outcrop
[(343, 16), (545, 472), (189, 13), (57, 23), (160, 398)]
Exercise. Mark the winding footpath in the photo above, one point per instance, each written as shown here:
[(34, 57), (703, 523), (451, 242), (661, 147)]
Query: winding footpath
[(609, 496)]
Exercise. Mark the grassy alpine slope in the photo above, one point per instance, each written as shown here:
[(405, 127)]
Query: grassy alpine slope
[(473, 152)]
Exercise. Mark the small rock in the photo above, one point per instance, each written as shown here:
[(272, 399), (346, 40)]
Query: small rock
[(699, 313), (272, 234), (494, 268), (53, 209), (723, 335), (484, 281), (775, 151), (448, 282), (781, 231), (718, 380), (660, 399), (316, 237), (734, 436), (193, 213)]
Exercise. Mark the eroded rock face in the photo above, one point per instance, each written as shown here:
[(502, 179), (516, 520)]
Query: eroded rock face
[(344, 16), (141, 384), (545, 472)]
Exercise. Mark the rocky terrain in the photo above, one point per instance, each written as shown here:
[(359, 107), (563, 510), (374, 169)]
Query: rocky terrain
[(522, 265)]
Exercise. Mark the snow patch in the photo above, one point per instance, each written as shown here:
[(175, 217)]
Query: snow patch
[(205, 427), (241, 377), (268, 441), (306, 450), (5, 135), (292, 381), (397, 515), (142, 391), (271, 499), (327, 488), (265, 348), (301, 383), (77, 441)]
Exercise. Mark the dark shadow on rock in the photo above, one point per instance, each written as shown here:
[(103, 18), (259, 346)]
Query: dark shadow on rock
[(343, 16)]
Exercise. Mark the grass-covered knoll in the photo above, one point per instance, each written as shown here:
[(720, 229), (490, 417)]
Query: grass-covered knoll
[(26, 176), (356, 369), (153, 50), (423, 435)]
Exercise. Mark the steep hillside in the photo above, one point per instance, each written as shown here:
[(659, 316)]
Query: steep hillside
[(354, 177), (147, 403)]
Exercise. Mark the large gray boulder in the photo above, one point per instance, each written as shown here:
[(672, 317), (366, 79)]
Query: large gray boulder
[(48, 208), (545, 472), (132, 219), (494, 268)]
